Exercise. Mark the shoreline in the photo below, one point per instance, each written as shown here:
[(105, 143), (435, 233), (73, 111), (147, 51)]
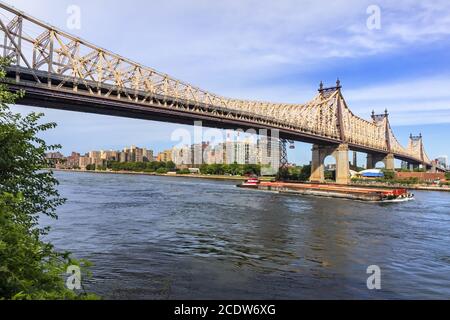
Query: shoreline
[(193, 176), (409, 187), (241, 178)]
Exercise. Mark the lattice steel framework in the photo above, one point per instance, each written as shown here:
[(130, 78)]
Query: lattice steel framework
[(55, 59)]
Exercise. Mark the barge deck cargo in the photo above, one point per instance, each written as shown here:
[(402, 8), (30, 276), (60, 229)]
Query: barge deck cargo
[(331, 190)]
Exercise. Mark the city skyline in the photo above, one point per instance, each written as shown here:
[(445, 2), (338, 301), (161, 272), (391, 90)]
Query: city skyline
[(171, 154), (241, 151)]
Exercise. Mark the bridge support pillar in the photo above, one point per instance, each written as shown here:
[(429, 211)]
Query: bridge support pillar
[(388, 160), (317, 166), (371, 161), (433, 168), (340, 153), (342, 164)]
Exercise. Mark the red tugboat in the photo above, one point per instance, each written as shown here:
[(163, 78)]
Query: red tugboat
[(250, 183), (397, 195)]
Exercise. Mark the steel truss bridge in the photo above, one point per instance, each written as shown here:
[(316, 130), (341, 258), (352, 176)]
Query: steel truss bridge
[(59, 70)]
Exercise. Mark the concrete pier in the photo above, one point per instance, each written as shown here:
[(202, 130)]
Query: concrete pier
[(388, 160), (340, 153)]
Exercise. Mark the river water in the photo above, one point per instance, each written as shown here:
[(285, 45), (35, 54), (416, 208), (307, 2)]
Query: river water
[(182, 238)]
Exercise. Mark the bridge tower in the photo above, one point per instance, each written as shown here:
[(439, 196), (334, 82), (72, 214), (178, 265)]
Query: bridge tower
[(339, 152), (415, 146), (374, 158)]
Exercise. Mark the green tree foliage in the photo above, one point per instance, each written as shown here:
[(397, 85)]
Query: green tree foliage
[(171, 166), (284, 174), (297, 173), (389, 174), (305, 173), (29, 267), (447, 176), (140, 166), (161, 171), (231, 169)]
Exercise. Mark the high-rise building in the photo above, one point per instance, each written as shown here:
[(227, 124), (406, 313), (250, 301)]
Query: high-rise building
[(54, 155), (269, 152), (405, 165), (73, 161), (165, 156), (182, 156), (148, 155), (443, 161), (109, 155), (135, 154), (198, 152), (241, 152), (84, 161), (95, 157), (139, 155), (123, 157)]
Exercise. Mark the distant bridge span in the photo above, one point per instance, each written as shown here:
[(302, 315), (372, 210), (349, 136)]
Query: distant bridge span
[(58, 70)]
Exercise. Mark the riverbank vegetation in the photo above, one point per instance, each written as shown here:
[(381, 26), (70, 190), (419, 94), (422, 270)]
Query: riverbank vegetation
[(30, 268), (231, 169), (165, 167), (291, 173), (296, 173), (146, 167), (390, 179)]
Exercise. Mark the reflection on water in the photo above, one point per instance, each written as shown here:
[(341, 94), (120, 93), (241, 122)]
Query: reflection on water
[(180, 238)]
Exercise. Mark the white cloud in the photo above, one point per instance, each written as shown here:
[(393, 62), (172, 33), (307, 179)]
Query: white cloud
[(229, 46), (190, 38), (424, 100)]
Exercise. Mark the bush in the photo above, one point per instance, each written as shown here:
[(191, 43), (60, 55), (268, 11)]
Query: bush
[(29, 267), (161, 171), (389, 174), (142, 166), (170, 166)]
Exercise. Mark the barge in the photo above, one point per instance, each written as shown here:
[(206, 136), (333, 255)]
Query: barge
[(330, 190)]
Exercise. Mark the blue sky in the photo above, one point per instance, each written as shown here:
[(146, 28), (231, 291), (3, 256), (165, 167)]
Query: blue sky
[(269, 50)]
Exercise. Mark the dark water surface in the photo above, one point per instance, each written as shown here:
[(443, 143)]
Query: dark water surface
[(181, 238)]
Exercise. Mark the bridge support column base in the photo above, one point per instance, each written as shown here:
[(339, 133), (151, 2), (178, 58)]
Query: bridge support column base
[(317, 165), (340, 153), (433, 168), (342, 164), (371, 161), (388, 160)]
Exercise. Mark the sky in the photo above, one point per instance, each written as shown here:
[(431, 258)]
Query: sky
[(272, 51)]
